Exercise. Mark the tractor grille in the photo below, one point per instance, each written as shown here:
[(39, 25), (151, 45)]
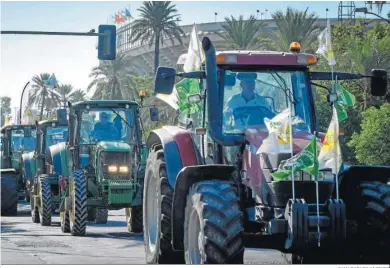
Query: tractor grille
[(116, 159)]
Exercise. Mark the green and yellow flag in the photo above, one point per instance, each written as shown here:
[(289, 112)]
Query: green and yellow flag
[(306, 161), (344, 99)]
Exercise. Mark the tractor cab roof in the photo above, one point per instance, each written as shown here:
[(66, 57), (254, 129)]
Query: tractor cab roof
[(53, 123), (96, 104), (16, 127), (267, 58)]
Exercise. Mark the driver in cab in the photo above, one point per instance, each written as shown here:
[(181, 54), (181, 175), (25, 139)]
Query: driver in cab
[(247, 97), (104, 127)]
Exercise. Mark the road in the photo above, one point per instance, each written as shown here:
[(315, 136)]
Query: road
[(24, 242)]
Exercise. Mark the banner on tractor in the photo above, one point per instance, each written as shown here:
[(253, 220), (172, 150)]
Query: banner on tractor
[(306, 160), (330, 150)]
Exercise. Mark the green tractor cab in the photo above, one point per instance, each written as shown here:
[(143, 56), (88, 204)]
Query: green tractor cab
[(101, 164), (16, 140), (43, 180)]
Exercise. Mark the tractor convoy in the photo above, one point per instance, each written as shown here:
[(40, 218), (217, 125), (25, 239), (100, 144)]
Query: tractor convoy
[(204, 202)]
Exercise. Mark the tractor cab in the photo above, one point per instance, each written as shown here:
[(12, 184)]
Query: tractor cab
[(16, 140)]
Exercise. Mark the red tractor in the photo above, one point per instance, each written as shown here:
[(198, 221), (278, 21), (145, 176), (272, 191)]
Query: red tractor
[(206, 207)]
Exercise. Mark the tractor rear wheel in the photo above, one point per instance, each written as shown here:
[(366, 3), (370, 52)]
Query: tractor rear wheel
[(374, 222), (9, 194), (45, 209), (213, 226), (101, 215), (78, 213), (157, 212), (35, 214), (65, 223), (134, 219)]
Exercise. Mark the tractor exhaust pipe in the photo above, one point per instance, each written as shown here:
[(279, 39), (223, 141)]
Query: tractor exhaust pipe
[(215, 99)]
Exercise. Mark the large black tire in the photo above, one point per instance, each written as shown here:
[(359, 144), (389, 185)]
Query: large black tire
[(213, 218), (45, 209), (157, 214), (101, 215), (134, 219), (78, 214), (65, 222), (91, 214), (374, 223), (9, 194)]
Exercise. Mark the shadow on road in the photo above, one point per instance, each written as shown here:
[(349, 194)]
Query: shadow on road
[(8, 227), (109, 224)]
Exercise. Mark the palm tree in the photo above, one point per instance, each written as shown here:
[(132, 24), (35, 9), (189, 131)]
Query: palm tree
[(158, 20), (69, 94), (77, 95), (108, 78), (241, 34), (41, 94), (64, 91), (294, 25)]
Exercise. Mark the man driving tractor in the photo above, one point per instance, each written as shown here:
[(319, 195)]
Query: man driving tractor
[(104, 128), (247, 97)]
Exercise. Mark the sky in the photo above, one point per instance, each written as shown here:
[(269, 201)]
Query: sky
[(71, 58)]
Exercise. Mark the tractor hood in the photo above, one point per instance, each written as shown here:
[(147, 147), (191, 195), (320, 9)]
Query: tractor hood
[(113, 146), (256, 135)]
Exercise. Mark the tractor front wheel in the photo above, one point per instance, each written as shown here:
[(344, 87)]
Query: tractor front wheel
[(157, 212), (213, 226), (101, 215), (45, 209), (79, 212)]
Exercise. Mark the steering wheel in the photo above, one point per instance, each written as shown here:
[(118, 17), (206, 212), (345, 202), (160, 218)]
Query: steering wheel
[(104, 135), (257, 113)]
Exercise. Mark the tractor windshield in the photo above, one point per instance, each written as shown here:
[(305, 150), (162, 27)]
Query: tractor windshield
[(19, 142), (249, 97), (56, 135), (107, 125)]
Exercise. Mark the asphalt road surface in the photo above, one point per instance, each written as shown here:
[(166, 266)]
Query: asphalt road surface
[(24, 242)]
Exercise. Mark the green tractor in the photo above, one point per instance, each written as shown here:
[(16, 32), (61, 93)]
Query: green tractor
[(15, 140), (44, 187), (101, 165)]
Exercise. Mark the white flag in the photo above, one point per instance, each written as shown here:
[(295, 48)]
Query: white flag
[(195, 55), (170, 99), (278, 139), (330, 154), (325, 44)]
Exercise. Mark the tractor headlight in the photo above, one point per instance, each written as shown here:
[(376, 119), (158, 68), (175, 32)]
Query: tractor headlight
[(123, 169), (112, 169)]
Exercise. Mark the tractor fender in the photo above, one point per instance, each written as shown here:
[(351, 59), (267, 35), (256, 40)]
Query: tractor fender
[(57, 156), (29, 166), (185, 179), (179, 149), (349, 184)]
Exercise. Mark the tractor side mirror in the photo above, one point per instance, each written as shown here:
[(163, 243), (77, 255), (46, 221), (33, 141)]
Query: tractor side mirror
[(27, 132), (164, 80), (378, 82), (154, 114)]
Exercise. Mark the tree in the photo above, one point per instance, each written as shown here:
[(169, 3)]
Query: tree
[(158, 19), (78, 95), (5, 108), (372, 144), (242, 34), (41, 94), (69, 94), (294, 25), (108, 76)]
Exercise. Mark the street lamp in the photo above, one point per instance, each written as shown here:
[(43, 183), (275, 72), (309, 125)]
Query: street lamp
[(365, 11), (21, 98)]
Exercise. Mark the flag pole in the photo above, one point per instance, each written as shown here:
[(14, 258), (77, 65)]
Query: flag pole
[(317, 194), (292, 150)]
